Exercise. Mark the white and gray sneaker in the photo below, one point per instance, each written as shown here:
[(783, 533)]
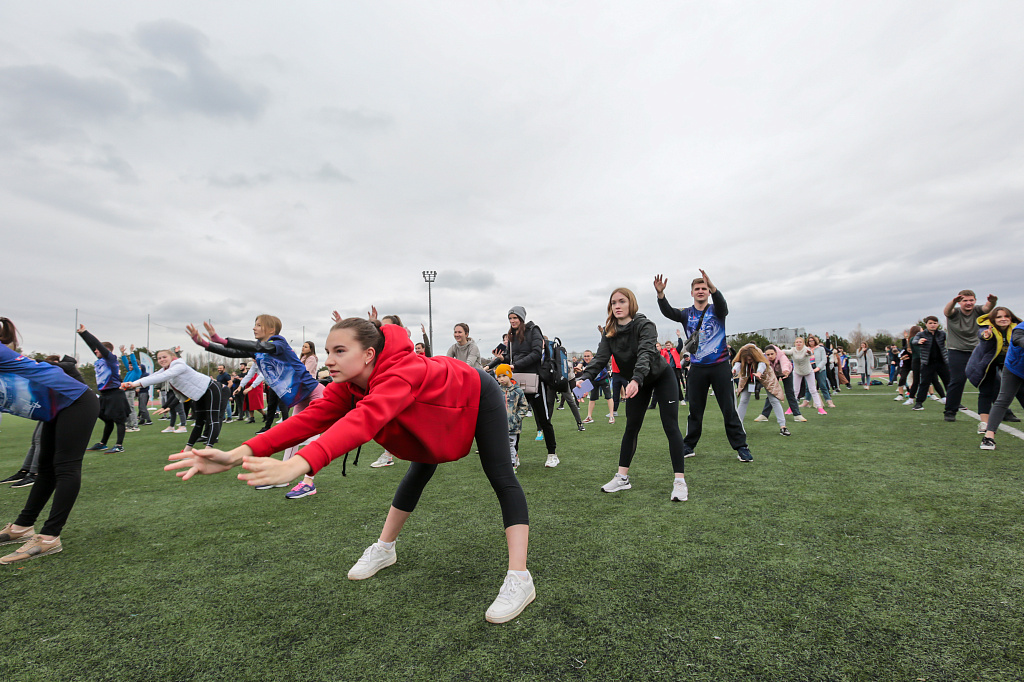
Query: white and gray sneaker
[(374, 558), (908, 401), (982, 427), (898, 397), (619, 482), (679, 490), (760, 418), (385, 460), (552, 461), (514, 595)]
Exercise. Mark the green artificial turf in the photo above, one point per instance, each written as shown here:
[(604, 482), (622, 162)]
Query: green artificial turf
[(876, 543)]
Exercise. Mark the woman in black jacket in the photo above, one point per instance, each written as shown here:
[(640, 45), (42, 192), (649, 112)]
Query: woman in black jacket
[(632, 339), (526, 348)]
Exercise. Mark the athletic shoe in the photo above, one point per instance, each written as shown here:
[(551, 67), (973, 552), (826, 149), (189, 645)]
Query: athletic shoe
[(529, 413), (760, 418), (988, 444), (169, 429), (615, 413), (551, 462), (263, 430), (560, 408), (374, 558), (789, 410), (116, 448), (385, 460), (269, 486), (799, 418), (917, 407), (133, 430), (618, 482), (821, 410), (98, 446), (34, 548), (1011, 417), (908, 401), (181, 429), (743, 454), (898, 397), (949, 417), (982, 427), (514, 595), (580, 427), (679, 490), (687, 452), (9, 535), (19, 475), (942, 400), (540, 435), (588, 420), (301, 490), (785, 432), (25, 482), (933, 396)]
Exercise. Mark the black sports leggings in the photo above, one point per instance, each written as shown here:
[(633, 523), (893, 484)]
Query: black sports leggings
[(666, 389), (492, 441), (718, 377), (207, 412), (62, 446), (542, 403)]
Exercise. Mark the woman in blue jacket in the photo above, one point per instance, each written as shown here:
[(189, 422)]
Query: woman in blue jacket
[(986, 363)]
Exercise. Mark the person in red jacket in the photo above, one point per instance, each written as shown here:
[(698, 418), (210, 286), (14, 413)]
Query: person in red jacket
[(424, 410)]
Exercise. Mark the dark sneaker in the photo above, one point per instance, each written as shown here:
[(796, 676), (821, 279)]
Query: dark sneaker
[(22, 473), (784, 432), (687, 452), (98, 446), (1010, 417), (579, 427), (918, 407), (25, 482), (949, 417), (743, 455), (988, 444), (116, 448), (263, 430)]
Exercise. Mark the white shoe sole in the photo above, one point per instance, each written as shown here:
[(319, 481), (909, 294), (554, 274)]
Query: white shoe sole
[(509, 616), (679, 499), (628, 486), (375, 465), (390, 561)]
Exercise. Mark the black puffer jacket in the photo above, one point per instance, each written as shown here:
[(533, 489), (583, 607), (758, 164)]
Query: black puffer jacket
[(526, 354), (635, 348)]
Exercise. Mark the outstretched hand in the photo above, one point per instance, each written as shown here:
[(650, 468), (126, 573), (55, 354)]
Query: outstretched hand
[(194, 333), (121, 348), (205, 461), (707, 280), (335, 317), (372, 313), (660, 282), (423, 328), (211, 332), (81, 328), (269, 471)]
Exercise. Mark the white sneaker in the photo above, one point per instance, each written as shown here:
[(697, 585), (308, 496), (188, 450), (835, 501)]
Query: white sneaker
[(180, 429), (168, 430), (799, 418), (385, 460), (514, 595), (982, 427), (134, 429), (679, 490), (760, 418), (619, 482), (942, 400), (898, 397), (908, 401), (374, 558), (552, 461)]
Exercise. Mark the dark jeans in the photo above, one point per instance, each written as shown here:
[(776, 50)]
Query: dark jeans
[(916, 384), (928, 374), (493, 443), (144, 417), (988, 389), (719, 378), (794, 405), (31, 463), (1012, 386), (62, 445), (957, 379), (666, 389)]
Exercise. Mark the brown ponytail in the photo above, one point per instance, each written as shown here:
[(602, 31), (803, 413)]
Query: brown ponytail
[(8, 332), (366, 332)]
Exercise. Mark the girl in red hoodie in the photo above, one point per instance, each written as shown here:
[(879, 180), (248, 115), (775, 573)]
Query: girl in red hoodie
[(425, 410)]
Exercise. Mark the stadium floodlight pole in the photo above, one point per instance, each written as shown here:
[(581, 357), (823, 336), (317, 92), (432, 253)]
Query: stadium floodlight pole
[(429, 276)]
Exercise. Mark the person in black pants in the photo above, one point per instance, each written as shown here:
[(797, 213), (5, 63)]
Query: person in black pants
[(114, 407), (709, 364), (526, 346), (633, 340), (934, 362)]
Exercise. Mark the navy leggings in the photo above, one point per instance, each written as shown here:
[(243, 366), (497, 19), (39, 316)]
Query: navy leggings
[(492, 441)]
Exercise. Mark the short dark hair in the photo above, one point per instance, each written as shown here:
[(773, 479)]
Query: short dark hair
[(931, 318)]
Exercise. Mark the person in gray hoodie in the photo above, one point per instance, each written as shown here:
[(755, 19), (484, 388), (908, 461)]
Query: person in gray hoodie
[(464, 347)]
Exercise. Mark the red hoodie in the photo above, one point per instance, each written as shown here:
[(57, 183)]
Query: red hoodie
[(420, 409)]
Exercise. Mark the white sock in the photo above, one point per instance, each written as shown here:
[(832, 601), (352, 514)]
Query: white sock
[(387, 545), (624, 477), (522, 575)]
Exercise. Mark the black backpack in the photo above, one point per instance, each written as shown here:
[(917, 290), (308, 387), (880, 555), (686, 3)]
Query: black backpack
[(555, 362)]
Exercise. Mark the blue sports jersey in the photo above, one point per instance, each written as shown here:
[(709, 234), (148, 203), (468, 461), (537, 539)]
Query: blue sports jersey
[(34, 390), (712, 348), (108, 374), (285, 373)]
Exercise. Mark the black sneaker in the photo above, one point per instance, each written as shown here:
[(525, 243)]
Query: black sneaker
[(263, 430), (21, 475), (918, 408), (579, 427), (1010, 417), (743, 454), (949, 417), (116, 448), (784, 432), (687, 452), (25, 482), (98, 446), (988, 444)]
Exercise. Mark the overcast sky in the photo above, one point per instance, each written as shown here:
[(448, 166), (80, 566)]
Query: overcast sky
[(827, 163)]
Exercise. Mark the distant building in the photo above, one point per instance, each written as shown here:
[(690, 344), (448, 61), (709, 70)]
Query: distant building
[(780, 336)]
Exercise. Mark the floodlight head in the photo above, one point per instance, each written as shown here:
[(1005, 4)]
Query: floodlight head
[(429, 276)]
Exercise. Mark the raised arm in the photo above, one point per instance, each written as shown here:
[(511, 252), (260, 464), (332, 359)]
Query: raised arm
[(93, 343)]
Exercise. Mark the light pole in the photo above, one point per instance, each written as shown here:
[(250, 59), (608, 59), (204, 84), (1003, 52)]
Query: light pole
[(429, 276)]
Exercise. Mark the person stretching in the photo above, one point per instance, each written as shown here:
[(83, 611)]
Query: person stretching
[(425, 410), (114, 406), (709, 363)]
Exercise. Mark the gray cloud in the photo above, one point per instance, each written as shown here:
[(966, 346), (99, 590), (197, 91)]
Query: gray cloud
[(198, 84), (355, 119), (476, 279), (241, 180), (329, 173)]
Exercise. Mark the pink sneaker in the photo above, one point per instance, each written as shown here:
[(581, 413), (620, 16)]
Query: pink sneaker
[(789, 410), (821, 410)]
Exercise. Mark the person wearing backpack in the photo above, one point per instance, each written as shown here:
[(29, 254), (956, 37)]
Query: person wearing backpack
[(526, 350)]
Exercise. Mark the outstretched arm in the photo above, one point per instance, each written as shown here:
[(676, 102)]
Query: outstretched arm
[(93, 343)]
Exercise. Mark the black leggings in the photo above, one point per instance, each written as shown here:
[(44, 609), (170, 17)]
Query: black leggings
[(988, 389), (208, 414), (493, 443), (62, 447), (718, 377), (542, 403), (666, 389)]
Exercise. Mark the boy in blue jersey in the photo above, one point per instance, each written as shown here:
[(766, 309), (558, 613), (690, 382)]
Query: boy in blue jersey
[(709, 363), (114, 406), (130, 366)]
